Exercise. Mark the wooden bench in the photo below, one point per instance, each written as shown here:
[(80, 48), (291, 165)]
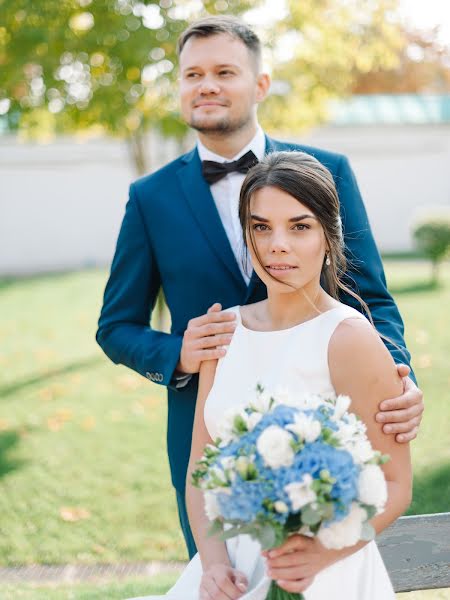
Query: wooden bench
[(416, 552)]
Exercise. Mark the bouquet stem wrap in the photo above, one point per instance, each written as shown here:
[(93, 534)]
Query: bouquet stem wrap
[(276, 593)]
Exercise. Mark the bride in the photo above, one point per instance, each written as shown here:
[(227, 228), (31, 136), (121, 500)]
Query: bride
[(301, 337)]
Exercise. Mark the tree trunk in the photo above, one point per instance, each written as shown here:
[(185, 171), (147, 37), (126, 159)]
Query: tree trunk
[(139, 158), (138, 152), (435, 272)]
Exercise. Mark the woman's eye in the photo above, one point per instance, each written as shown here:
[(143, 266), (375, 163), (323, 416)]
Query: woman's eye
[(260, 227), (301, 226)]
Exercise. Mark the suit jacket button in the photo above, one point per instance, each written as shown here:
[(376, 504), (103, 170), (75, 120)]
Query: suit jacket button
[(149, 376)]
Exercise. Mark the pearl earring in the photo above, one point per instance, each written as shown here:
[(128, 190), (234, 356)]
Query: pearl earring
[(327, 261)]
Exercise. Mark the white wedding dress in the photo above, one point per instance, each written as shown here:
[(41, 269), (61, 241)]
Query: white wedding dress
[(297, 359)]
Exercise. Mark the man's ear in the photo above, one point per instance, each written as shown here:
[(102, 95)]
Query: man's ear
[(262, 86)]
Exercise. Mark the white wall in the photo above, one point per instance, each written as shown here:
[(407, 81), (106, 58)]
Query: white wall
[(61, 204), (399, 169)]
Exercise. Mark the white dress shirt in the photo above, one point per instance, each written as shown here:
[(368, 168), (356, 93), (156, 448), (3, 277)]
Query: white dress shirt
[(225, 193)]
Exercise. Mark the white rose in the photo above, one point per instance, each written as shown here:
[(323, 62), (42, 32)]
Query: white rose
[(300, 492), (341, 407), (307, 428), (281, 507), (372, 488), (211, 506), (344, 533), (274, 445)]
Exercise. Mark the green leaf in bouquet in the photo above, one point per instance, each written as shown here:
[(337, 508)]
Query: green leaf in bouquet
[(310, 516), (370, 510), (249, 529), (239, 425), (367, 532), (215, 528), (267, 536)]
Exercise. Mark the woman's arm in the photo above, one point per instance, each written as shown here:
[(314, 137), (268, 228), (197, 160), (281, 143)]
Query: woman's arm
[(211, 550), (362, 368), (218, 574)]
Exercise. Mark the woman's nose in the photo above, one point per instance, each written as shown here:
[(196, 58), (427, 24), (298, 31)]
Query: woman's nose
[(279, 243)]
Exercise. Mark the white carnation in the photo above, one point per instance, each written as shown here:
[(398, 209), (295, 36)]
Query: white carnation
[(372, 488), (253, 420), (261, 403), (341, 407), (307, 428), (274, 445), (300, 492), (211, 506), (225, 426), (361, 451), (346, 532)]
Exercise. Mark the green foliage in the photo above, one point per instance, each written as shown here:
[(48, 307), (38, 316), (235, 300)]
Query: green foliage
[(432, 236), (327, 45), (77, 432), (108, 64)]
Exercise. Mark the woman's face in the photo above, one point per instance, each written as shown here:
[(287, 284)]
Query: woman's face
[(289, 239)]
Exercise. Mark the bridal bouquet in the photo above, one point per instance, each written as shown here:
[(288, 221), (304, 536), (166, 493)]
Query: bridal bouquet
[(292, 464)]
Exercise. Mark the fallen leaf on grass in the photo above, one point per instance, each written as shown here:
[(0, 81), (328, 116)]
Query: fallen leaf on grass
[(424, 361), (73, 514), (4, 424), (88, 423), (98, 549)]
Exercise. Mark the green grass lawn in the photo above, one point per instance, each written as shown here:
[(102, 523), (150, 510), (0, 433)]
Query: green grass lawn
[(83, 468)]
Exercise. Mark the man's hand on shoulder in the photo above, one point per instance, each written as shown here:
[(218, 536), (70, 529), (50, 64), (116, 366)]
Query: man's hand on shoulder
[(402, 415), (205, 338)]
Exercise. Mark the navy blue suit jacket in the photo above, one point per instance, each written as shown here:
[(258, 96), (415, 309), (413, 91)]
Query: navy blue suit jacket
[(172, 236)]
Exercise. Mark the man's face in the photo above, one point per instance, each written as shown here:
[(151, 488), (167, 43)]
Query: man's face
[(219, 86)]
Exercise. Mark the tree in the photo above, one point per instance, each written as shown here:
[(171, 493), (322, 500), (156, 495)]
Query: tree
[(109, 65), (431, 233), (74, 65), (319, 48), (423, 66)]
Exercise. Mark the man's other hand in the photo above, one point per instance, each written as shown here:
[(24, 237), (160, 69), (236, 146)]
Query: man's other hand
[(402, 415)]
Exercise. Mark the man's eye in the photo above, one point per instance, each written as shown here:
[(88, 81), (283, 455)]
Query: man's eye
[(226, 72), (191, 75)]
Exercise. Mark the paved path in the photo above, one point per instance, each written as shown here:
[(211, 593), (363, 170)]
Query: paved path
[(85, 573)]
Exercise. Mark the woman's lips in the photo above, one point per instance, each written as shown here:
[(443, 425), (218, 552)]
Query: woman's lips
[(280, 269)]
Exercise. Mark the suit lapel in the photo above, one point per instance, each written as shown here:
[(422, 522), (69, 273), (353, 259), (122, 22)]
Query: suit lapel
[(198, 196)]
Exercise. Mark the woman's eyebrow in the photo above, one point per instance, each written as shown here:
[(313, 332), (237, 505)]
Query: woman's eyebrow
[(291, 220)]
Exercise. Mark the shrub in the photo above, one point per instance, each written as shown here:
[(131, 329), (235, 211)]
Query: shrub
[(431, 232)]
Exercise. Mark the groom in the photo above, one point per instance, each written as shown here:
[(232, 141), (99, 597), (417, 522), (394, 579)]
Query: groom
[(181, 232)]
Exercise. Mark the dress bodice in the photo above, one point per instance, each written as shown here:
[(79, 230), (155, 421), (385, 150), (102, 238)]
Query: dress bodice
[(295, 359)]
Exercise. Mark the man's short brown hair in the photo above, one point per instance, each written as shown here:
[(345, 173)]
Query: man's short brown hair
[(214, 25)]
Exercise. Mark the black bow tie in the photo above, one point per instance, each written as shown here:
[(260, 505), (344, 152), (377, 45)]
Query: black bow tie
[(213, 171)]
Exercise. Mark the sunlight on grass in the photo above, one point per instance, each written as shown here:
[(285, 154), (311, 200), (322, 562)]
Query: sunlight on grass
[(84, 475)]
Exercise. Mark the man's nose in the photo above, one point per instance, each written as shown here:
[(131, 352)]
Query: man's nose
[(208, 86)]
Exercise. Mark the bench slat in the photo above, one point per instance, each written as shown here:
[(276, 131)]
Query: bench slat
[(416, 552)]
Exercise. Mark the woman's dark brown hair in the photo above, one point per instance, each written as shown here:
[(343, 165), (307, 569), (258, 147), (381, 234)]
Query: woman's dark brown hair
[(306, 179)]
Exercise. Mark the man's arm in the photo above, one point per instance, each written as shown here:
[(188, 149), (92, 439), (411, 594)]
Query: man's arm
[(365, 276), (124, 332), (365, 273)]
